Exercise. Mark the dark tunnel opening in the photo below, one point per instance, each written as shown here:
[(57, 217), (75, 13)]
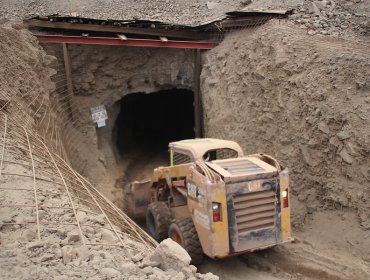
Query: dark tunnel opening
[(148, 122)]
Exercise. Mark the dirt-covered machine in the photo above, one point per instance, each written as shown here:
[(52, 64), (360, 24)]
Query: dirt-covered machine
[(214, 200)]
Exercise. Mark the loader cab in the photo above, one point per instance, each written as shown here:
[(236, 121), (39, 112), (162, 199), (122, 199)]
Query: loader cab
[(205, 149)]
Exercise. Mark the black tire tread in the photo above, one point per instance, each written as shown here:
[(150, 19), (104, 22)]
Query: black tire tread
[(191, 240), (162, 218), (126, 198)]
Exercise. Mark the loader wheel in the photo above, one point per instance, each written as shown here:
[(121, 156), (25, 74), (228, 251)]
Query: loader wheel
[(126, 201), (184, 233), (158, 220)]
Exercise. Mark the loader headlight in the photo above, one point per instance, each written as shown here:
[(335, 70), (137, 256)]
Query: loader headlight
[(284, 194), (285, 201)]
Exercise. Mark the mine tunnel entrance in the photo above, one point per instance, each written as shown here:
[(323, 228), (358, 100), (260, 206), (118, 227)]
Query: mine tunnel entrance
[(148, 122)]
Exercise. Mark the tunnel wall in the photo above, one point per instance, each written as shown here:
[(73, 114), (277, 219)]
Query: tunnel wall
[(103, 75), (288, 94)]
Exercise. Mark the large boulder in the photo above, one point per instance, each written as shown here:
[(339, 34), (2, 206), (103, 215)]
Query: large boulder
[(170, 255)]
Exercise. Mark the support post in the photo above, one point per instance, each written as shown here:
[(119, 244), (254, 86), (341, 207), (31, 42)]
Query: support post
[(67, 69), (197, 95)]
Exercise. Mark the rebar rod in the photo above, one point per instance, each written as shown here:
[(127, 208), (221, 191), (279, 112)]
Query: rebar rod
[(4, 143), (34, 187), (68, 193)]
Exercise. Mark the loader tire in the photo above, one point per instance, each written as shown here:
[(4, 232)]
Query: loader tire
[(158, 220), (184, 233), (126, 201)]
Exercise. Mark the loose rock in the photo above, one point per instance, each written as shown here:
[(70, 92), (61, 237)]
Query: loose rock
[(170, 255)]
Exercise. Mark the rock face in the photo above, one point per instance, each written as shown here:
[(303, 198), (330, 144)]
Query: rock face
[(103, 75), (274, 90)]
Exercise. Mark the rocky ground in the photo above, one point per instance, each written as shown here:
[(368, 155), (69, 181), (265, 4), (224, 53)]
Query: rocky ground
[(329, 17), (174, 11)]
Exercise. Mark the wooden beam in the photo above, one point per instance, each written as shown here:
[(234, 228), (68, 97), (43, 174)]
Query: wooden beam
[(184, 34), (197, 95)]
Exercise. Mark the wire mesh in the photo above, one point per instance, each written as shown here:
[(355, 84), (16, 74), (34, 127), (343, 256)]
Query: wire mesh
[(27, 161), (37, 182)]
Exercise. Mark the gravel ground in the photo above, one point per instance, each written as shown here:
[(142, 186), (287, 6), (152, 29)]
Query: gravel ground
[(327, 17), (176, 11)]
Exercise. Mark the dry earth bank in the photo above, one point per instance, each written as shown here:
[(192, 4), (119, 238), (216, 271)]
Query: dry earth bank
[(305, 100)]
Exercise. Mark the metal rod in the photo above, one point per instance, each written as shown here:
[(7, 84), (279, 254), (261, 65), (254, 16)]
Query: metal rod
[(124, 217), (4, 143), (11, 189), (34, 187), (68, 73), (68, 193), (129, 42), (18, 205), (17, 163), (25, 175), (105, 215)]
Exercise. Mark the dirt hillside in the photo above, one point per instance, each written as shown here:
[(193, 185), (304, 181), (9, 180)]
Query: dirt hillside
[(305, 100)]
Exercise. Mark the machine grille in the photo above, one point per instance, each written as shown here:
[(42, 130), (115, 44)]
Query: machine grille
[(180, 158), (226, 153), (239, 167), (255, 210)]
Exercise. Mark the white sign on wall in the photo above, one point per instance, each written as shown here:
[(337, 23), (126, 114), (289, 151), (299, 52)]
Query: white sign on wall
[(99, 115)]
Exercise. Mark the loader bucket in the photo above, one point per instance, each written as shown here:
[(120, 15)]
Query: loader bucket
[(137, 196)]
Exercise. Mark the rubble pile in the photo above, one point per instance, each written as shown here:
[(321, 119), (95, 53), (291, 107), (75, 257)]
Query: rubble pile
[(51, 260)]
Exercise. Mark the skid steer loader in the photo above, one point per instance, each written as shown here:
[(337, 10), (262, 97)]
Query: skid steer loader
[(213, 200)]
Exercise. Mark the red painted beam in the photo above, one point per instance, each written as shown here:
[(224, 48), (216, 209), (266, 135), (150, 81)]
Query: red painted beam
[(129, 42)]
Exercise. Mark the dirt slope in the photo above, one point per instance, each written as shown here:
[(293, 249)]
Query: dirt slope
[(305, 100)]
